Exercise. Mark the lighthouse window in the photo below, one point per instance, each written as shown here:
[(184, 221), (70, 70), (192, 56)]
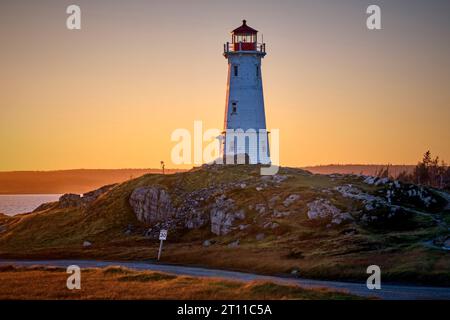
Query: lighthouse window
[(257, 71), (236, 71), (234, 107)]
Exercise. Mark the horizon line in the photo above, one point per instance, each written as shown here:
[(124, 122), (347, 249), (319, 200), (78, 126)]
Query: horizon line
[(186, 169)]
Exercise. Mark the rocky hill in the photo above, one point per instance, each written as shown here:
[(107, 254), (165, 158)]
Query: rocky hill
[(231, 217)]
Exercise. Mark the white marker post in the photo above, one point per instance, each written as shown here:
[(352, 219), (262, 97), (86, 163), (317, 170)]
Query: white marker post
[(162, 237)]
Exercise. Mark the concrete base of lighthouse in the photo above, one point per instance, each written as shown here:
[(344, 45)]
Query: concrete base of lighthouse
[(249, 147)]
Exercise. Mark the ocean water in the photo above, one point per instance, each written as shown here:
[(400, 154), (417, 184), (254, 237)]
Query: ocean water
[(21, 203)]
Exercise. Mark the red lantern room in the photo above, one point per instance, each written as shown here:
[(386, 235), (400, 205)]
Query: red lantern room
[(244, 38)]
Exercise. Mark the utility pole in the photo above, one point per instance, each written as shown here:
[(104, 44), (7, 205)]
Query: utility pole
[(163, 166)]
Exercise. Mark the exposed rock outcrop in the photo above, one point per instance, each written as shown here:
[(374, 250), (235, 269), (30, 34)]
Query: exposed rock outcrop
[(206, 243), (323, 210), (87, 244), (234, 244), (152, 204), (70, 200), (280, 214), (395, 192), (260, 208), (392, 204), (195, 220), (223, 215), (271, 225), (370, 202), (291, 199)]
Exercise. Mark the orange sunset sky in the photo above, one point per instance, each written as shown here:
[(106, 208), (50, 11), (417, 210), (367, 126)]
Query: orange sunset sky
[(111, 94)]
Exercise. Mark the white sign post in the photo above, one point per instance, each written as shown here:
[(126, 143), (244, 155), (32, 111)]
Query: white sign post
[(162, 237)]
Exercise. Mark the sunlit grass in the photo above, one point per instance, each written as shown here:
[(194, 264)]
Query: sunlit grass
[(50, 283)]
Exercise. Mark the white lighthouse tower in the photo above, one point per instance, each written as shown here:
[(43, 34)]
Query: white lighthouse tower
[(245, 120)]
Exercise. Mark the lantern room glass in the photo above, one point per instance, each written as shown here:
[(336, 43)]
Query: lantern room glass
[(244, 38)]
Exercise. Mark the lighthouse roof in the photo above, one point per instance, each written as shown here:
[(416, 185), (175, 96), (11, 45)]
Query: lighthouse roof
[(244, 29)]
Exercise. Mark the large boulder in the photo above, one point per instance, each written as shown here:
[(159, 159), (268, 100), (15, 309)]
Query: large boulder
[(370, 202), (152, 204), (70, 200), (207, 243), (195, 219), (87, 244), (323, 211), (223, 215), (291, 199), (75, 200)]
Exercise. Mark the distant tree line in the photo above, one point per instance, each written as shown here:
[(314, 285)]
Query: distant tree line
[(429, 172)]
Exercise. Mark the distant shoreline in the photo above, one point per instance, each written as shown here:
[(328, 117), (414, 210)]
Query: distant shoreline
[(365, 169), (67, 181)]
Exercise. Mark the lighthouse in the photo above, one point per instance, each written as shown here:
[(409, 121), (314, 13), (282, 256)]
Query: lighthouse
[(245, 132)]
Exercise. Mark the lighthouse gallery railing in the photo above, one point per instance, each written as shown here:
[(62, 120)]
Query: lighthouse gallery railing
[(243, 46)]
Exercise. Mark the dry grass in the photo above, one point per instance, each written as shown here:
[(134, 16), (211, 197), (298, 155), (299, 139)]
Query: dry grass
[(118, 283)]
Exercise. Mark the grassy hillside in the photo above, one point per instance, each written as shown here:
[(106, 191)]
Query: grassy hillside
[(281, 239)]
